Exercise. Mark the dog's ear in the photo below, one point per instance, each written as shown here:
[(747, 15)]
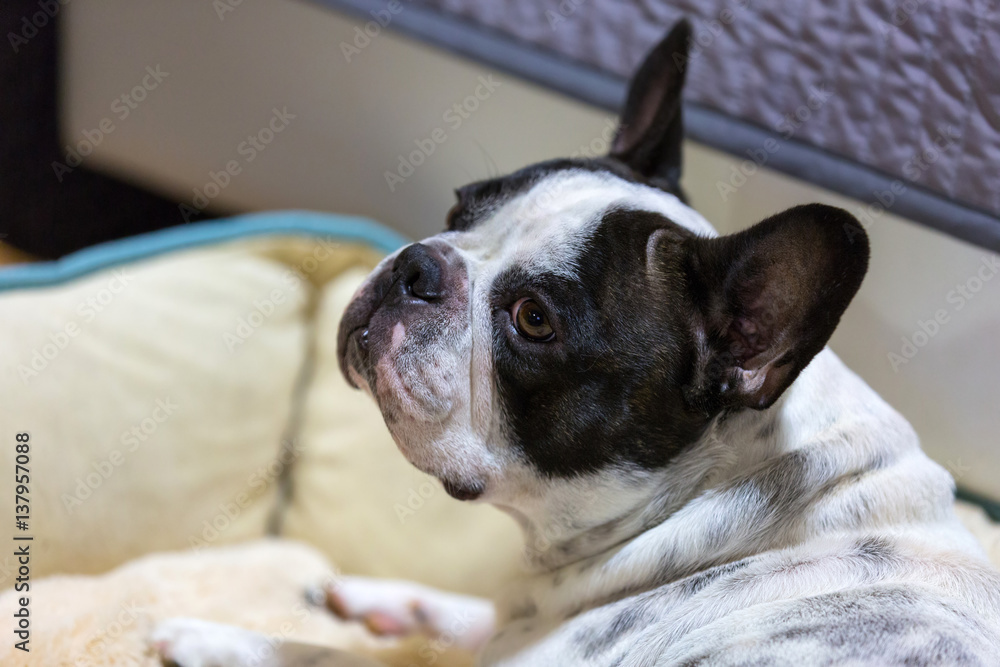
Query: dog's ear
[(767, 300), (650, 131)]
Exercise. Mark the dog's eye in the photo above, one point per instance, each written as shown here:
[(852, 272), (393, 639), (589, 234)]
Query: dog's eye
[(531, 321)]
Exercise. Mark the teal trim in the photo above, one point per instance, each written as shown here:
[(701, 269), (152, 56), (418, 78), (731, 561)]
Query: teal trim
[(282, 223)]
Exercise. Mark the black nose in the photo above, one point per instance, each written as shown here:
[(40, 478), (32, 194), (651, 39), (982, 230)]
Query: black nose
[(419, 270)]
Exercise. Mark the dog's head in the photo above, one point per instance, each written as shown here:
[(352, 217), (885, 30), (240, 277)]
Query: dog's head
[(577, 325)]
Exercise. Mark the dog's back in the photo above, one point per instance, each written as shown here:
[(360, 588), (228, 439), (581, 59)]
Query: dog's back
[(833, 542)]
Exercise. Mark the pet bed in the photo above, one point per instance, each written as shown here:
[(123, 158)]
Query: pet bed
[(195, 450)]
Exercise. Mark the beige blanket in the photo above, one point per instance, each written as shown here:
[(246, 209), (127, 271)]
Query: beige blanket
[(259, 585)]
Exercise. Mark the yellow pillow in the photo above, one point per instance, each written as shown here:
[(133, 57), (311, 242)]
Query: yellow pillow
[(171, 403), (155, 395)]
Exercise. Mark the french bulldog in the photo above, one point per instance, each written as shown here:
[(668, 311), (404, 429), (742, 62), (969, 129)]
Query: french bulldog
[(699, 479)]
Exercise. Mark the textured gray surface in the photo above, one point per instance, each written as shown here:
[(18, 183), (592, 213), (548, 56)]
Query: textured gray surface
[(893, 78)]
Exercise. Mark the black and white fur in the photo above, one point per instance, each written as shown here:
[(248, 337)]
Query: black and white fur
[(699, 480)]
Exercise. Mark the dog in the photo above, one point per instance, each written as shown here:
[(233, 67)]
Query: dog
[(699, 479)]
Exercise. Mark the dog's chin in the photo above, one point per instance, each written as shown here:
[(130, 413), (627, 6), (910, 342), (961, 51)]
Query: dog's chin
[(459, 488), (459, 484), (464, 490)]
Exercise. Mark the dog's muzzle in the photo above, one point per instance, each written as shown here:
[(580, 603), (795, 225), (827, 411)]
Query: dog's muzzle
[(414, 279)]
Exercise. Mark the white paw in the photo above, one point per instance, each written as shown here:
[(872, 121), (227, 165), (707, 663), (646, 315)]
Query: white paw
[(189, 642), (396, 608)]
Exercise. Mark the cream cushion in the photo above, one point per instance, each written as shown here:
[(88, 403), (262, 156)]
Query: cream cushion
[(194, 399), (257, 585), (105, 620), (149, 428)]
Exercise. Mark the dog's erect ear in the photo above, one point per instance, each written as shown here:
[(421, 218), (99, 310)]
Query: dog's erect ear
[(768, 299), (650, 132)]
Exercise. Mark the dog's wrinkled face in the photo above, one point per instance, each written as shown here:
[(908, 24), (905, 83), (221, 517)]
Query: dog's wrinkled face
[(527, 332), (577, 320)]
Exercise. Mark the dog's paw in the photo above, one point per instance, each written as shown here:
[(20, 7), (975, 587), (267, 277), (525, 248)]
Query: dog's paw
[(385, 607), (397, 608), (189, 642)]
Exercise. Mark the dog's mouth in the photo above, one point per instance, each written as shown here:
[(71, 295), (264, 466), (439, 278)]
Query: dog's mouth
[(353, 337), (354, 357), (353, 350)]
